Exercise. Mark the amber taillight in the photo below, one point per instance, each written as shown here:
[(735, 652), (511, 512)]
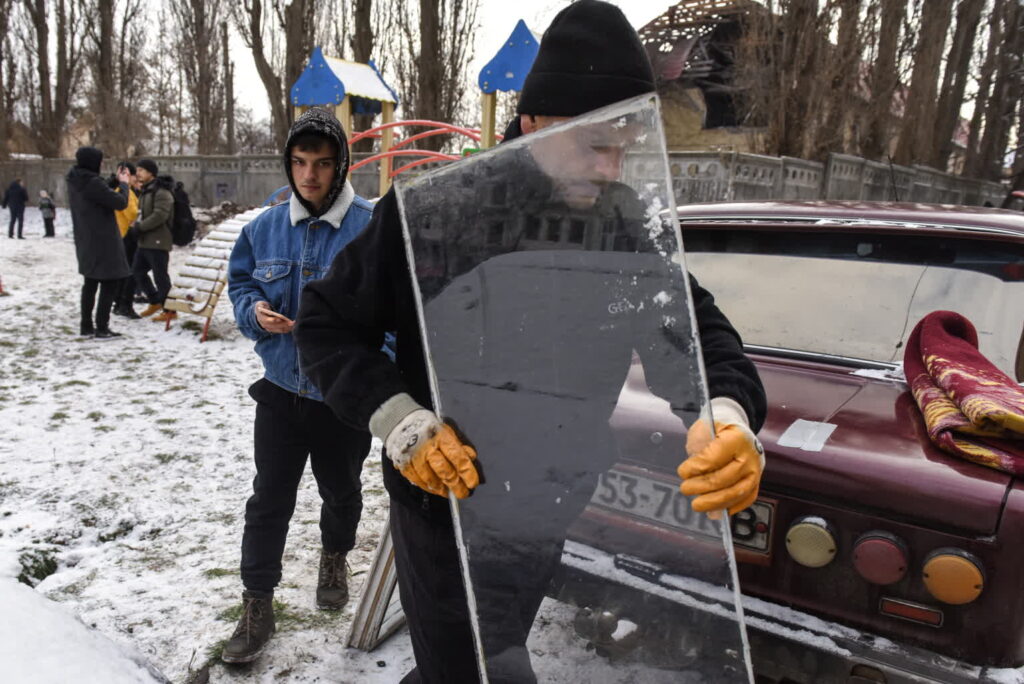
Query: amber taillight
[(953, 576)]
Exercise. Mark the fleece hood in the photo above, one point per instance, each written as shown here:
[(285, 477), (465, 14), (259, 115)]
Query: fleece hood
[(320, 122)]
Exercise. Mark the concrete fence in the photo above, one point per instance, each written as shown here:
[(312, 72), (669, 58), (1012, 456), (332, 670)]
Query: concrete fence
[(696, 177)]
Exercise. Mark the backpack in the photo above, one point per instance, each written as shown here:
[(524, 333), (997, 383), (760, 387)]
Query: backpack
[(183, 224)]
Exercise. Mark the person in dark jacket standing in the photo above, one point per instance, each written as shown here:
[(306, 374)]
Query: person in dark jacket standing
[(97, 241), (130, 239), (48, 210), (156, 212), (589, 57), (275, 256), (15, 200)]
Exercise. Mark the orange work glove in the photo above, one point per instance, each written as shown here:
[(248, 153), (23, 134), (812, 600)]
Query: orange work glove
[(723, 472), (429, 454)]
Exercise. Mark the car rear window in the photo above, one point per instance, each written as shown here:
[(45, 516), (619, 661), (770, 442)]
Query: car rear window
[(859, 295)]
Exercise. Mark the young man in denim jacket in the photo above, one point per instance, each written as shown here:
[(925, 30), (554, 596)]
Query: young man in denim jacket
[(275, 256)]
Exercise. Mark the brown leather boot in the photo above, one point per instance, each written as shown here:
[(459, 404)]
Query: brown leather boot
[(254, 629), (166, 316), (150, 310), (332, 583)]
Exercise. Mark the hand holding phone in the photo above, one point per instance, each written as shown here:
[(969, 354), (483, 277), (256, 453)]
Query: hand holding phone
[(272, 321)]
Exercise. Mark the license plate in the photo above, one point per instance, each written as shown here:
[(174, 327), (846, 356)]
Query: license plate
[(629, 492)]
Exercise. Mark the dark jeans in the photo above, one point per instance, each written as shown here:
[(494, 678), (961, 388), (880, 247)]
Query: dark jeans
[(289, 428), (510, 574), (155, 260), (19, 217), (48, 226), (433, 598), (126, 291), (107, 288)]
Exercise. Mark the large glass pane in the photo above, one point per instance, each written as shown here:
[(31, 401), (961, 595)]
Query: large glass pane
[(558, 324)]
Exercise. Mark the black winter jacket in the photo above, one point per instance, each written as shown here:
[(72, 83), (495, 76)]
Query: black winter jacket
[(15, 198), (343, 318), (97, 239)]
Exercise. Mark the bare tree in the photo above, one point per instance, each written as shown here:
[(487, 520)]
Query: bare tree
[(229, 92), (842, 78), (8, 78), (1001, 106), (779, 62), (113, 57), (918, 125), (280, 36), (49, 103), (883, 79), (431, 53), (954, 80), (162, 90), (197, 23)]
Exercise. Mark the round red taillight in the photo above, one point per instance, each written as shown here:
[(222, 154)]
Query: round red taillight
[(880, 557)]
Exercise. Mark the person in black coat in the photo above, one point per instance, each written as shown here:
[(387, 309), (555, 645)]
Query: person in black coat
[(14, 201), (101, 259), (590, 57)]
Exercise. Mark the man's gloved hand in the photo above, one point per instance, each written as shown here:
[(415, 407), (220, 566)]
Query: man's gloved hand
[(426, 451), (723, 472)]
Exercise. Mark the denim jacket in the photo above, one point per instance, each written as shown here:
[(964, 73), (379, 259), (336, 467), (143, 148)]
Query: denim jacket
[(276, 254)]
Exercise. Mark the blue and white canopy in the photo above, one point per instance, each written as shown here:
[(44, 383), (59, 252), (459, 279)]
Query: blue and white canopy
[(507, 70), (328, 80)]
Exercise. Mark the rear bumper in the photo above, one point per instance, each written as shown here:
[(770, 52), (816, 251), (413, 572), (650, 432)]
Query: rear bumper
[(793, 647), (795, 654)]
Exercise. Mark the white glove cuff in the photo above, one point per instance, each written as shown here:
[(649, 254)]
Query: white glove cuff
[(727, 411), (390, 413)]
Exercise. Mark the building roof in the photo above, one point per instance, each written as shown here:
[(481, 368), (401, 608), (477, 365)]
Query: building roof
[(327, 80), (508, 68)]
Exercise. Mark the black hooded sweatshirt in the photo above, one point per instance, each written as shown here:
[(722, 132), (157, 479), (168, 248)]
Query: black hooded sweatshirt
[(343, 318), (320, 122)]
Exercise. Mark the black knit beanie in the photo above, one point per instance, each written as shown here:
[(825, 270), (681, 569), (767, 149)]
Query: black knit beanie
[(89, 158), (320, 122), (589, 57), (149, 165)]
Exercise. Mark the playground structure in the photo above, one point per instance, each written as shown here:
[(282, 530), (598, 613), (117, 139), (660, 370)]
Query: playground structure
[(353, 88)]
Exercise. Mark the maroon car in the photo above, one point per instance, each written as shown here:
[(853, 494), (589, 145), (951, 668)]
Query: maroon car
[(870, 555)]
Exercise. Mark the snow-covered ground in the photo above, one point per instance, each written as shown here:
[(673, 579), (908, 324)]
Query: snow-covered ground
[(126, 465)]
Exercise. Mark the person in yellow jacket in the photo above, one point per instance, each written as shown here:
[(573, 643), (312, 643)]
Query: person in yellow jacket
[(130, 239)]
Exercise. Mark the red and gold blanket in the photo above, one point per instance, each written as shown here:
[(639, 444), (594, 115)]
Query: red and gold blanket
[(971, 408)]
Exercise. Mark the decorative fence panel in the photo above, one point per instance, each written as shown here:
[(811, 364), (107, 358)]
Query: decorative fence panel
[(696, 177)]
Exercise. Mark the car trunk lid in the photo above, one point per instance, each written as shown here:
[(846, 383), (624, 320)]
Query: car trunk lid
[(877, 456)]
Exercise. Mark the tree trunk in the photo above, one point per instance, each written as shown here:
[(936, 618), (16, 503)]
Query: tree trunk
[(7, 80), (884, 78), (842, 82), (46, 130), (430, 67), (954, 81), (299, 30), (362, 51), (1001, 105), (918, 126), (229, 92), (105, 98), (988, 68)]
